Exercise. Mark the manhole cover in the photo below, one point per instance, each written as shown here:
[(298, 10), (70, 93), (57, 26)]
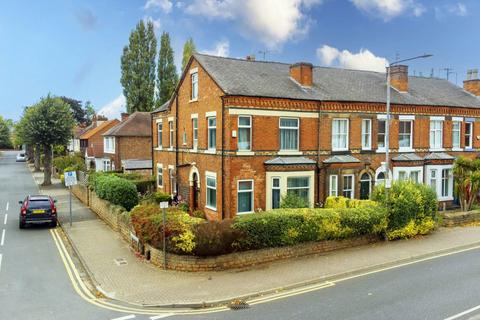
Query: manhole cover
[(120, 261)]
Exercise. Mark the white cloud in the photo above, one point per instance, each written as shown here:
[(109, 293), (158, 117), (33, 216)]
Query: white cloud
[(156, 22), (363, 60), (272, 22), (458, 9), (389, 9), (222, 49), (114, 108), (165, 5)]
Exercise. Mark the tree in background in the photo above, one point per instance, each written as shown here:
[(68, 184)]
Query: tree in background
[(89, 113), (167, 72), (23, 136), (50, 122), (188, 49), (138, 68), (5, 134), (77, 109)]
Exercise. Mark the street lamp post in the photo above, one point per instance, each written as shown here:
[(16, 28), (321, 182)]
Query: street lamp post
[(387, 124)]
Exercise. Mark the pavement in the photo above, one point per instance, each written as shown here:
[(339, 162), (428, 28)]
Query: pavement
[(140, 283)]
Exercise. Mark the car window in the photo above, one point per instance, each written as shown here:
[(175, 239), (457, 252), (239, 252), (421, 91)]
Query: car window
[(39, 204)]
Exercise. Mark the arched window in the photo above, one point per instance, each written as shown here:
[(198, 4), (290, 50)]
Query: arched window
[(380, 178), (365, 186)]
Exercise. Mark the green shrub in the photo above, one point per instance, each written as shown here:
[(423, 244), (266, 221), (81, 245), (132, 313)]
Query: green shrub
[(147, 221), (291, 200), (144, 186), (183, 207), (288, 227), (162, 197), (199, 214), (411, 208), (214, 238), (71, 161), (342, 203), (116, 190)]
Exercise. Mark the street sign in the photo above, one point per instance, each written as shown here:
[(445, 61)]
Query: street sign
[(70, 178), (164, 205)]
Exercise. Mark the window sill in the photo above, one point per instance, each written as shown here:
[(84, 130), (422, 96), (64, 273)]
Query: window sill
[(366, 149), (459, 149), (170, 149), (159, 186), (158, 148), (401, 149), (449, 198), (339, 150), (436, 149), (109, 152), (290, 153), (193, 100), (211, 151), (245, 153), (195, 150), (381, 150), (242, 213), (469, 149), (211, 208)]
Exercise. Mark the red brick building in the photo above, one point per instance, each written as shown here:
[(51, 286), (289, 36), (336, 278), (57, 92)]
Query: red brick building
[(128, 145), (239, 134)]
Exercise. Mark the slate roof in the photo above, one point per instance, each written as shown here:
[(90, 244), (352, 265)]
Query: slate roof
[(136, 164), (163, 107), (272, 79), (289, 161), (341, 159), (136, 125), (408, 157), (439, 156)]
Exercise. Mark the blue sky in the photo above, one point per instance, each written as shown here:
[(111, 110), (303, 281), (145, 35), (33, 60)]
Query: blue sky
[(73, 48)]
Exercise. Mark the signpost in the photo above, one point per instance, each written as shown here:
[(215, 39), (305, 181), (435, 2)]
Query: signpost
[(164, 206), (70, 180)]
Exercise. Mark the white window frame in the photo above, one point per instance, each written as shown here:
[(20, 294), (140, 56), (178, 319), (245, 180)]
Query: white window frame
[(409, 148), (283, 176), (106, 165), (436, 145), (333, 192), (408, 173), (249, 127), (340, 135), (367, 136), (170, 134), (273, 187), (289, 128), (439, 181), (194, 84), (353, 185), (457, 132), (299, 188), (245, 191), (184, 137), (194, 133), (209, 127), (210, 175), (469, 135), (109, 145), (380, 118), (159, 175)]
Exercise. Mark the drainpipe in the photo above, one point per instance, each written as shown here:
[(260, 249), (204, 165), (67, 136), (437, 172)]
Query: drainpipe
[(222, 165)]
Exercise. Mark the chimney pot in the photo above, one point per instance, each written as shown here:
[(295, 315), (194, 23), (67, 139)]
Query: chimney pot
[(250, 57), (302, 72), (125, 116), (472, 84), (399, 77)]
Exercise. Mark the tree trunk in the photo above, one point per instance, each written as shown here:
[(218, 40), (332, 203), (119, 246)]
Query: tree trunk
[(47, 166), (36, 158), (29, 152)]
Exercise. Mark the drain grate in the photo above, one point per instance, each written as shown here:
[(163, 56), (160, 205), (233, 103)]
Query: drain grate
[(120, 261), (238, 304)]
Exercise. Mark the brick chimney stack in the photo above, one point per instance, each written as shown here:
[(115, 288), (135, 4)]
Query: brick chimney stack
[(125, 116), (399, 77), (302, 72), (472, 84)]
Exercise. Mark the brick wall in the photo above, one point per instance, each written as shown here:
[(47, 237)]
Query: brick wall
[(105, 210)]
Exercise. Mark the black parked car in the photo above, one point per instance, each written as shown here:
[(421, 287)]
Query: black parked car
[(38, 209)]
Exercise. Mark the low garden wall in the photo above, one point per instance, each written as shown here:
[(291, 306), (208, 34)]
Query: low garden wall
[(452, 219), (106, 211), (81, 192), (252, 258)]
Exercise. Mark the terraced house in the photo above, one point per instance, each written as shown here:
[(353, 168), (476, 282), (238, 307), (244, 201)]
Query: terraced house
[(239, 134)]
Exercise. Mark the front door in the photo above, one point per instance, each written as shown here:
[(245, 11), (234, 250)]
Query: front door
[(365, 186), (195, 192)]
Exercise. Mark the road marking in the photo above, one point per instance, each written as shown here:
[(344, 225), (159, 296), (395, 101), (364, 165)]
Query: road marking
[(8, 203), (5, 219), (131, 316), (3, 238), (461, 314), (161, 316)]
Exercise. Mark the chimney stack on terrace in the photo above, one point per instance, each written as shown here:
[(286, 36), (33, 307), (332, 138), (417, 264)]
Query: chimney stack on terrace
[(472, 84), (399, 77), (302, 72)]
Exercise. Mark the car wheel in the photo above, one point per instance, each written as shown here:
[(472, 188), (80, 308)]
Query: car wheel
[(53, 224), (21, 225)]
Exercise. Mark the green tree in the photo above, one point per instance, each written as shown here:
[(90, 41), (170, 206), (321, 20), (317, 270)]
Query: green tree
[(50, 123), (138, 68), (77, 109), (167, 72), (89, 113), (188, 49), (24, 136), (5, 132), (466, 173)]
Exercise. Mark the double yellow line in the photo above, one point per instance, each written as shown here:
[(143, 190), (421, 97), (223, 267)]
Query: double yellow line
[(82, 290)]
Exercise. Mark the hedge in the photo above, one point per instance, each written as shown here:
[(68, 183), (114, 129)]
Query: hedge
[(412, 209), (116, 190), (72, 161), (343, 203), (293, 226)]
